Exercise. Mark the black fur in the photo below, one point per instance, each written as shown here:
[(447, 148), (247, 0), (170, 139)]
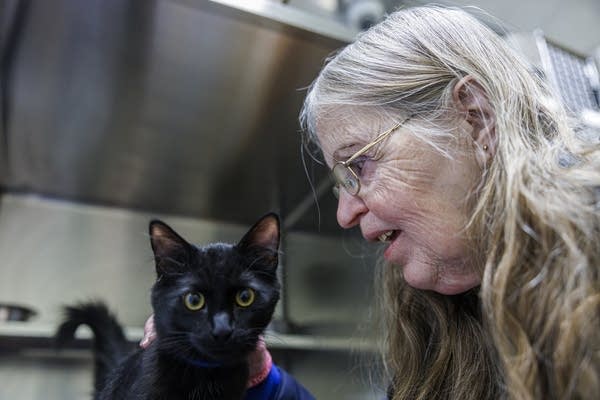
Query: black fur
[(110, 345), (197, 354)]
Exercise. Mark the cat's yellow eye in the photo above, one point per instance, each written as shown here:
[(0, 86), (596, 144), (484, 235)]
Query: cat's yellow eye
[(194, 301), (245, 297)]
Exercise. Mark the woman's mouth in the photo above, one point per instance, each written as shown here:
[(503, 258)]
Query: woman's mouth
[(393, 243), (387, 236)]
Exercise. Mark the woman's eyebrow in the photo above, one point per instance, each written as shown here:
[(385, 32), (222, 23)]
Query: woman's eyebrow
[(336, 155), (342, 150)]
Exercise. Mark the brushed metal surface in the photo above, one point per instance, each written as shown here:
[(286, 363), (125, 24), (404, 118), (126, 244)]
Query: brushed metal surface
[(162, 106), (57, 252)]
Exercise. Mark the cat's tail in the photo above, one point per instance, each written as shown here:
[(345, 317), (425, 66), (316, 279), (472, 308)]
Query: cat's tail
[(110, 344)]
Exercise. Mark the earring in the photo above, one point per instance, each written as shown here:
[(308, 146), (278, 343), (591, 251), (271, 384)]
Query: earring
[(485, 147)]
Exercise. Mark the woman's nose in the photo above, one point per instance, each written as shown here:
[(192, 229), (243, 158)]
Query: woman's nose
[(349, 210)]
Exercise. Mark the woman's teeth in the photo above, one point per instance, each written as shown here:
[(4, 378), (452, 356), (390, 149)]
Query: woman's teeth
[(384, 237)]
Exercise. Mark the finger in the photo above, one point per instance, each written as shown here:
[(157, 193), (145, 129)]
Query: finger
[(149, 332)]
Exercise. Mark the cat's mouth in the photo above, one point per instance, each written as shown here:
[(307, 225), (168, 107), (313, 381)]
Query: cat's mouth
[(231, 351)]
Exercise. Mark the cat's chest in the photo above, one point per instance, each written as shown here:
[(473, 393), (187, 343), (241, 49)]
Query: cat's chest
[(186, 382)]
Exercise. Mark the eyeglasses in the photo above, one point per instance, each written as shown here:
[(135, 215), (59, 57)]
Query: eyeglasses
[(343, 174)]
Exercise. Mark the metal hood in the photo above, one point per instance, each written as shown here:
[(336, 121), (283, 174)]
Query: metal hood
[(180, 107)]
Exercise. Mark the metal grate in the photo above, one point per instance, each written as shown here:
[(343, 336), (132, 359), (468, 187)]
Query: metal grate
[(571, 79)]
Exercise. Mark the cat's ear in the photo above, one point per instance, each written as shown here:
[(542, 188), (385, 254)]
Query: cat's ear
[(171, 251), (263, 239)]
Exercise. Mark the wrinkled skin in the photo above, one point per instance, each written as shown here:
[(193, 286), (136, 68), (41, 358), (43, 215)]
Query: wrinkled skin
[(409, 187)]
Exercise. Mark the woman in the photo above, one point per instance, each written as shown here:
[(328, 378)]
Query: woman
[(447, 148), (488, 203)]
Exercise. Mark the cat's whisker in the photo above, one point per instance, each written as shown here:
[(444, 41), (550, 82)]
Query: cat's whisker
[(276, 340)]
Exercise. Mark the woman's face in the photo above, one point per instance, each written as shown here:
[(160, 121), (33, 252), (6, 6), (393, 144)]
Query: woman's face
[(416, 196)]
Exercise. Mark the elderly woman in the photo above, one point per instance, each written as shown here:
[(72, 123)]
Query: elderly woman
[(446, 147)]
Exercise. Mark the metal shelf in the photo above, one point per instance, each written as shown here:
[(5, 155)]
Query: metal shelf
[(39, 335)]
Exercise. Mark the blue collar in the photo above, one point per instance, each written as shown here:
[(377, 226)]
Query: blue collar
[(202, 363)]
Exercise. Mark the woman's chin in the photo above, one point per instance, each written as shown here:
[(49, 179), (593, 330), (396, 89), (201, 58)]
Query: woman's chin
[(419, 278), (425, 277)]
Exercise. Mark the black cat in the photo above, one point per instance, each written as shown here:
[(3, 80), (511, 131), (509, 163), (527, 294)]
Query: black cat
[(210, 304)]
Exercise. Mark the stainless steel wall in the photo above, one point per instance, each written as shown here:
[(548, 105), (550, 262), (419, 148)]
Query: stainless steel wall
[(56, 252), (185, 107)]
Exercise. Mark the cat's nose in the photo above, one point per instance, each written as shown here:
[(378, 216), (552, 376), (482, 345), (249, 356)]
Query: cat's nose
[(222, 328)]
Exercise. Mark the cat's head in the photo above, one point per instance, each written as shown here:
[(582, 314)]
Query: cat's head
[(213, 302)]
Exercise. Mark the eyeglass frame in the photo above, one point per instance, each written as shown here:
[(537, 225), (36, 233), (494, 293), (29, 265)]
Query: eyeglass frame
[(347, 167)]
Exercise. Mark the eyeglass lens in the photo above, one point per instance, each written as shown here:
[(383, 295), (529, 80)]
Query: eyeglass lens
[(346, 179)]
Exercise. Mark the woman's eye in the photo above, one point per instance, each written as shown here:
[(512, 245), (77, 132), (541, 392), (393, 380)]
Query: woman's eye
[(358, 164), (194, 301), (245, 297)]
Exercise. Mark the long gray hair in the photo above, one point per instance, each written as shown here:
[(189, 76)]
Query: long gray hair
[(532, 330)]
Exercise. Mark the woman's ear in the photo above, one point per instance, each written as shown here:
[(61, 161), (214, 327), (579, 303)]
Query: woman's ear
[(473, 104)]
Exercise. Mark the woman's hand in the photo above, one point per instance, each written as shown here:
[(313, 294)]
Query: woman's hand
[(149, 333)]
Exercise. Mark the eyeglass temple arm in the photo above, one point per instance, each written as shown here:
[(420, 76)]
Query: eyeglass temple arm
[(375, 142)]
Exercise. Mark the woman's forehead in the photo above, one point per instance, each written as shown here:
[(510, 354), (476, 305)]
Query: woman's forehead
[(338, 133)]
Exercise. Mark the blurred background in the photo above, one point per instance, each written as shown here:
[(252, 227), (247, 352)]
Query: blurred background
[(113, 112)]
